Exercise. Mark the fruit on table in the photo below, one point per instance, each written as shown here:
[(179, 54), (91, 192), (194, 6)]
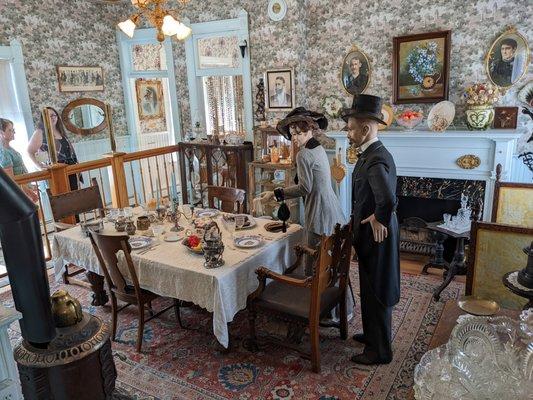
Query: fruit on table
[(410, 115), (193, 241)]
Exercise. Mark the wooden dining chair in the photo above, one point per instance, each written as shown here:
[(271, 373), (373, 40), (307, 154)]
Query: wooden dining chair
[(305, 300), (231, 199), (73, 203), (125, 287)]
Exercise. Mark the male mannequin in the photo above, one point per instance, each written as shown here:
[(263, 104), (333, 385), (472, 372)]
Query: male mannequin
[(375, 229)]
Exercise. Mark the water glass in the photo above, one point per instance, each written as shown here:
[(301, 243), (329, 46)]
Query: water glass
[(447, 218), (239, 220), (128, 212), (157, 229)]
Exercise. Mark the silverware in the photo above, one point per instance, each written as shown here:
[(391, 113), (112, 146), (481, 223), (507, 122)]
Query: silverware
[(148, 249)]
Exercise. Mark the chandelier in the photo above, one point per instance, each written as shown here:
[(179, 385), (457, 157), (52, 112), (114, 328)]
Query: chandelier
[(163, 19)]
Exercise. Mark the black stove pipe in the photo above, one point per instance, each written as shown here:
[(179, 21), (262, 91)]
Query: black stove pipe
[(22, 245)]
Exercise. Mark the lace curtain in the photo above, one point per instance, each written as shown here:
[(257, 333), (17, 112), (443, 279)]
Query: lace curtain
[(224, 106)]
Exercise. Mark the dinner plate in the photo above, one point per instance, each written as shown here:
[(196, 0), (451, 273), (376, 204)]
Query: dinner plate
[(248, 241), (388, 116), (139, 242), (171, 237), (206, 213)]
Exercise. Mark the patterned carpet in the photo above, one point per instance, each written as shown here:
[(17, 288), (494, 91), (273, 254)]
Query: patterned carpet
[(187, 364)]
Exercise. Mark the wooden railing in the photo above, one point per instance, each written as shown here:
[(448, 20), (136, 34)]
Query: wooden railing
[(125, 179)]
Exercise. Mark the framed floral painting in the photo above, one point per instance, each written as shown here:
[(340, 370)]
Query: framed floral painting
[(421, 67)]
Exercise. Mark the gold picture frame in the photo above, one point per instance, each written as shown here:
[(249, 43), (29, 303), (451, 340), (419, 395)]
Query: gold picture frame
[(355, 53), (150, 101), (80, 78), (495, 66)]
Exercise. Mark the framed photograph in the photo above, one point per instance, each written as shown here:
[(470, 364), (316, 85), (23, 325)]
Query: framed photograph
[(421, 67), (505, 117), (149, 98), (508, 58), (355, 71), (279, 84), (80, 79)]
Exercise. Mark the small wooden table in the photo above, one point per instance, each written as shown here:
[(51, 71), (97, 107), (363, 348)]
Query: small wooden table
[(457, 266), (448, 320)]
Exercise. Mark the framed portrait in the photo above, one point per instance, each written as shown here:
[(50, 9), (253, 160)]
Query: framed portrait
[(505, 117), (149, 98), (421, 67), (279, 94), (355, 71), (80, 79), (507, 59)]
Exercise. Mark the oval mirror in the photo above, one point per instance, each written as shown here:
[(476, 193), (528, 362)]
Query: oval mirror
[(84, 116)]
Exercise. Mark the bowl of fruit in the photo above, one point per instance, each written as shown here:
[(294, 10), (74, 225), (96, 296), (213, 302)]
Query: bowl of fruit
[(193, 243), (409, 119)]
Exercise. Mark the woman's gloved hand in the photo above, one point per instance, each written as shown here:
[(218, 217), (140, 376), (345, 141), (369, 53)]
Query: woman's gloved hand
[(266, 196)]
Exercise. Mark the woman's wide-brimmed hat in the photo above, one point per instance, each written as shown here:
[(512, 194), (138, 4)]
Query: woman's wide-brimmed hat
[(365, 106), (300, 114)]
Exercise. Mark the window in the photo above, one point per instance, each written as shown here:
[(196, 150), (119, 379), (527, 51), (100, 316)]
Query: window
[(218, 69)]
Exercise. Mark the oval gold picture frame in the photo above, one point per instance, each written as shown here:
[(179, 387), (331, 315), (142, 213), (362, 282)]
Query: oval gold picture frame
[(355, 49), (509, 31)]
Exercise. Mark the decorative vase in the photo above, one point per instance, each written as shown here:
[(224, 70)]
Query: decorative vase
[(66, 310), (479, 117)]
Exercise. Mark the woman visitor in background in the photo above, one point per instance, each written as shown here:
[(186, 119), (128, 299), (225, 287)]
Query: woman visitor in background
[(65, 150), (10, 159)]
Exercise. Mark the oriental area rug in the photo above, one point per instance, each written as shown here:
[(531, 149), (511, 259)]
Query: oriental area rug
[(187, 364)]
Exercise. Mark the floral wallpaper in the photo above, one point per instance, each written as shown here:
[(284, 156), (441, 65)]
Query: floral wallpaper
[(59, 32), (313, 38)]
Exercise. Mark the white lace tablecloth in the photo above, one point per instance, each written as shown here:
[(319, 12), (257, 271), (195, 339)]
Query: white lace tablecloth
[(171, 270)]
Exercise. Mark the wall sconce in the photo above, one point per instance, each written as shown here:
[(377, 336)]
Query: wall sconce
[(243, 44)]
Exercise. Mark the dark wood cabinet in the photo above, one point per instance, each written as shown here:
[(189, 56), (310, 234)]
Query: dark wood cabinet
[(203, 164)]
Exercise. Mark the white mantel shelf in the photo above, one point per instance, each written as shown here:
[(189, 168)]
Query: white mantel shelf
[(427, 154)]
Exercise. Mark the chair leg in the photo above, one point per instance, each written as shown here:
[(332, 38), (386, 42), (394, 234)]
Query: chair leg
[(150, 309), (251, 343), (140, 329), (177, 312), (315, 346), (65, 275), (343, 317), (114, 312)]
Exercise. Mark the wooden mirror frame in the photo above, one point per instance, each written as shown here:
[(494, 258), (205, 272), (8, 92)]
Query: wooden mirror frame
[(79, 102)]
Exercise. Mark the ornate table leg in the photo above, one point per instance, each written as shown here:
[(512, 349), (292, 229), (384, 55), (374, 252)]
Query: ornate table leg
[(100, 297), (438, 259), (457, 267)]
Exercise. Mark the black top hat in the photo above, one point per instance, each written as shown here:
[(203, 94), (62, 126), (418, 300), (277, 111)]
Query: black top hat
[(365, 106), (300, 114)]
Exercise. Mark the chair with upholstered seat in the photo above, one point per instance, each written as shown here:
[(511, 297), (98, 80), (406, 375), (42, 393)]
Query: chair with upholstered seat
[(305, 300), (125, 287), (230, 199), (73, 203)]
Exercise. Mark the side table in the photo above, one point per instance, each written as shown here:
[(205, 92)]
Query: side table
[(457, 266), (9, 381), (510, 281)]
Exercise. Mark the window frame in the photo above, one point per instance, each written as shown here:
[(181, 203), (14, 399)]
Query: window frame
[(221, 28)]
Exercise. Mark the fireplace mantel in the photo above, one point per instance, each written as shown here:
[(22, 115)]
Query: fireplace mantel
[(434, 155)]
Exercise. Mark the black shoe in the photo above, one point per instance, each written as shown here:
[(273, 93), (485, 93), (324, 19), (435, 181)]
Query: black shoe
[(366, 359), (360, 337)]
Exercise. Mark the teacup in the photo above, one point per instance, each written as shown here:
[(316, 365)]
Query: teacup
[(143, 223)]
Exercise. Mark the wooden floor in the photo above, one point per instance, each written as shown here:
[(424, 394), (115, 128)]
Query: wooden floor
[(413, 266)]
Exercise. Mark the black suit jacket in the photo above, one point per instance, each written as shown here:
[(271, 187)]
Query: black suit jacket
[(374, 192)]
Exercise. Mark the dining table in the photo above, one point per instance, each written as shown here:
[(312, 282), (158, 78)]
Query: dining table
[(171, 269)]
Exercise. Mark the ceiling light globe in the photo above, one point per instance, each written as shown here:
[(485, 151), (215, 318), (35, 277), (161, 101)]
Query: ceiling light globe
[(128, 27), (183, 31), (170, 26)]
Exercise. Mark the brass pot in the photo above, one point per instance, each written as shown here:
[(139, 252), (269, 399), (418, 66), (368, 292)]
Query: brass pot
[(66, 310)]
